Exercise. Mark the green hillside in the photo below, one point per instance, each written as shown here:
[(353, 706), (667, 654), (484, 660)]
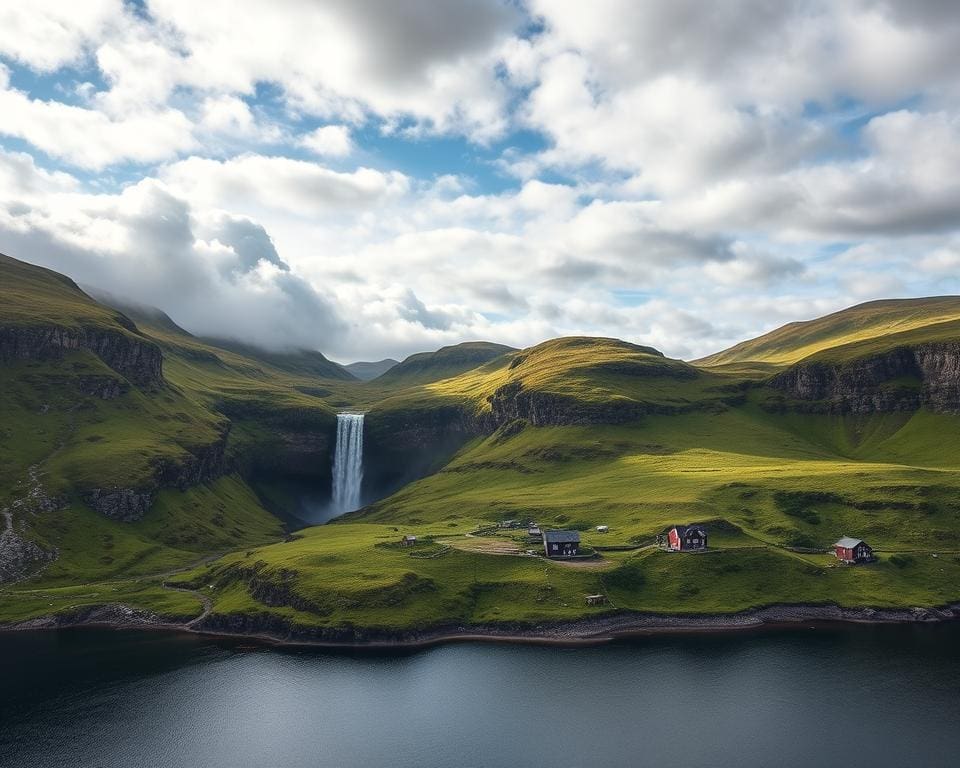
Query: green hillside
[(593, 372), (774, 495), (444, 363), (36, 296), (875, 320), (183, 441), (119, 475)]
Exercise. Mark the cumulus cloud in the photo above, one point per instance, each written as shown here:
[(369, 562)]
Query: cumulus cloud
[(281, 183), (668, 172), (215, 273), (329, 141), (47, 34)]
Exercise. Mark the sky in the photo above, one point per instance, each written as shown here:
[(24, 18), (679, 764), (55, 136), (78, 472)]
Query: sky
[(373, 178)]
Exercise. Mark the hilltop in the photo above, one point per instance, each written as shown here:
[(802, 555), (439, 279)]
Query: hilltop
[(874, 321), (445, 363)]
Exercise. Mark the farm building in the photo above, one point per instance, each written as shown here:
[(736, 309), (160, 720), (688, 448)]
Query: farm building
[(596, 599), (533, 531), (850, 550), (561, 543), (687, 538), (408, 541)]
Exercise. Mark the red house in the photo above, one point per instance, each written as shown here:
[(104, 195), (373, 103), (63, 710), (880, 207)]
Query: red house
[(850, 550), (687, 538)]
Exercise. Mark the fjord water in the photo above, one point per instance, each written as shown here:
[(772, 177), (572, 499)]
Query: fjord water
[(831, 696), (348, 463)]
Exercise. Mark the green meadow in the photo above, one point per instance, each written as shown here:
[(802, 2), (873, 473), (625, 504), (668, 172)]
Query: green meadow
[(628, 439)]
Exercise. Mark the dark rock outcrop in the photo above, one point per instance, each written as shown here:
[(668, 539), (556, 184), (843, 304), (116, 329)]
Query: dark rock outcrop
[(136, 359), (201, 465), (125, 505), (104, 387), (902, 379), (290, 453), (403, 445), (512, 401), (19, 556)]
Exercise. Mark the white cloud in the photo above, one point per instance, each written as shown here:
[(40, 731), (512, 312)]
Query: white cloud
[(694, 167), (89, 138), (46, 34), (296, 186), (329, 141)]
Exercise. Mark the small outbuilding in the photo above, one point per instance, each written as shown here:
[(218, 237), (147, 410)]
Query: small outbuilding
[(561, 543), (408, 541), (603, 529), (687, 538), (533, 531), (596, 599), (850, 550)]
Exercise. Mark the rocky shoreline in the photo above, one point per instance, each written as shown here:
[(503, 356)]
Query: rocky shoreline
[(273, 630)]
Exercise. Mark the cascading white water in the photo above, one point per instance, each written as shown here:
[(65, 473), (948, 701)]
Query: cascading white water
[(348, 462)]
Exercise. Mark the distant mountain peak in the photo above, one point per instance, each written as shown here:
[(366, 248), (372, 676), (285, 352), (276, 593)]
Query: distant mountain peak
[(369, 370)]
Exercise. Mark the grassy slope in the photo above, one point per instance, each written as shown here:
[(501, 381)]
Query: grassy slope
[(445, 363), (37, 296), (876, 320), (591, 371), (762, 481), (80, 442)]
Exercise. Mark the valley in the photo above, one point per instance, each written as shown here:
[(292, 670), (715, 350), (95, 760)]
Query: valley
[(148, 476)]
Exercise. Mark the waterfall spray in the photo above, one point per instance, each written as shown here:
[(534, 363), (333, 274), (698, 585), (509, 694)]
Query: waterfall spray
[(348, 462)]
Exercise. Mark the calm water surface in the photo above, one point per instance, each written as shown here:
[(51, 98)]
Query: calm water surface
[(860, 696)]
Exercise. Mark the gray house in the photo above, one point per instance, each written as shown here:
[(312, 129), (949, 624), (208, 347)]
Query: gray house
[(561, 543)]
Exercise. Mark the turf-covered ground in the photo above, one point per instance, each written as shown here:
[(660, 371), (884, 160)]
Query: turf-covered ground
[(702, 443), (766, 485)]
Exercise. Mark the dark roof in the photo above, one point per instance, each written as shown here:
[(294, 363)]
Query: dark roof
[(683, 530), (561, 537), (848, 542)]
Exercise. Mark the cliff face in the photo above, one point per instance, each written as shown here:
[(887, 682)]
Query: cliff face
[(512, 402), (901, 379), (403, 445), (138, 360), (291, 453), (124, 505), (202, 464)]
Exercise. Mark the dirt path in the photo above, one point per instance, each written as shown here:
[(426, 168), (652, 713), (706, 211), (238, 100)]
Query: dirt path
[(204, 600), (593, 564), (486, 545)]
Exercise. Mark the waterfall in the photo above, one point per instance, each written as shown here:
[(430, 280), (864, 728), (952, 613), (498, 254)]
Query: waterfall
[(348, 462)]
